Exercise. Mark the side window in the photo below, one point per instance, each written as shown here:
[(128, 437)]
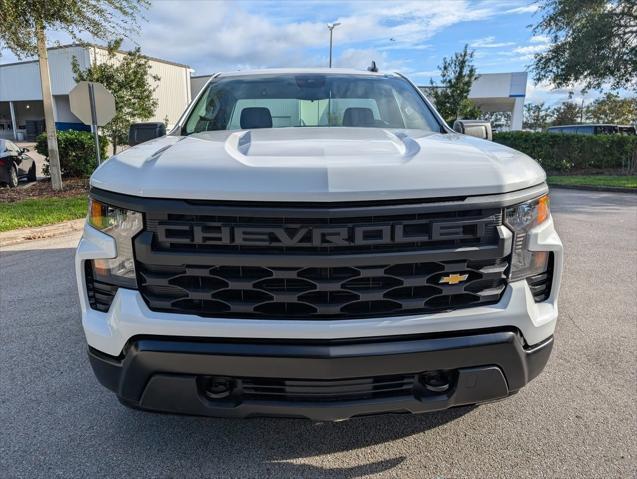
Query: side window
[(606, 130), (585, 130), (211, 113)]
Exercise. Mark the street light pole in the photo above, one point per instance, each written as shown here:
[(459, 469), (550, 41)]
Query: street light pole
[(331, 28)]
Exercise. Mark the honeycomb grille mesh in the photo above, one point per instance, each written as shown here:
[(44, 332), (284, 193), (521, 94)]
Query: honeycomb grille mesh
[(321, 292)]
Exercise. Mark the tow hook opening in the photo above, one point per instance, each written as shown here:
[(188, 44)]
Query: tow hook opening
[(217, 387), (436, 382)]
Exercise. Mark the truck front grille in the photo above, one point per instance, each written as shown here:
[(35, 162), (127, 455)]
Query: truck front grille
[(321, 262)]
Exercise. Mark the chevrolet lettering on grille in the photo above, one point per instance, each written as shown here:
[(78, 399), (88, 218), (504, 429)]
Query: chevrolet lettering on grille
[(312, 235)]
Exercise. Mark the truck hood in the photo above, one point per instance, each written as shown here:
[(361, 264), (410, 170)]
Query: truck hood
[(317, 164)]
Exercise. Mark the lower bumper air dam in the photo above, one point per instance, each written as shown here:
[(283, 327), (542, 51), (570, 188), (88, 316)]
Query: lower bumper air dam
[(319, 380)]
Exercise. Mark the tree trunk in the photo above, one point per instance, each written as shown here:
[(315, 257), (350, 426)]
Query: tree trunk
[(49, 119)]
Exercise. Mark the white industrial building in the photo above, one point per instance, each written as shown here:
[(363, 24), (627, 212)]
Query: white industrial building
[(21, 110), (499, 92)]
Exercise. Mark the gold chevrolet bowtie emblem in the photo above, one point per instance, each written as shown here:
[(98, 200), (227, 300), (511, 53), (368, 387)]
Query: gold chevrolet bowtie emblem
[(453, 278)]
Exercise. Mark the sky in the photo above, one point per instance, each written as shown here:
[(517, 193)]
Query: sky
[(407, 36)]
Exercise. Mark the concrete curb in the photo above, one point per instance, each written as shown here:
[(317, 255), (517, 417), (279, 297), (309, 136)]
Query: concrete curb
[(28, 234), (607, 189)]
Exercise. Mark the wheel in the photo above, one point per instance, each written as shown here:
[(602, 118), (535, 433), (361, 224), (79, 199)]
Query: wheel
[(13, 177), (31, 176)]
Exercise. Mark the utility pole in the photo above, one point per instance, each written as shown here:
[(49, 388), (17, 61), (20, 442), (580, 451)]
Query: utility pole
[(47, 101), (331, 28)]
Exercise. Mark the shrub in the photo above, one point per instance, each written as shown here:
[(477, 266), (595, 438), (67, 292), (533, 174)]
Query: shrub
[(77, 152), (558, 152)]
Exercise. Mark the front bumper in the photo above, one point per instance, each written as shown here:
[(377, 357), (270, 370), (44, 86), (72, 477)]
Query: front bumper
[(170, 374), (129, 316)]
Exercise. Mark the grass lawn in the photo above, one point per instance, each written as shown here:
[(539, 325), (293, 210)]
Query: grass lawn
[(594, 180), (41, 211)]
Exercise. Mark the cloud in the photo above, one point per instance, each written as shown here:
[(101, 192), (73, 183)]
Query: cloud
[(213, 36), (425, 74), (221, 35), (526, 9), (539, 39), (547, 93), (539, 44), (360, 59), (530, 49), (489, 42)]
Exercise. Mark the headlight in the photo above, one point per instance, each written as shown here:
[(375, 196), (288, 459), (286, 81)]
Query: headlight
[(522, 218), (122, 225)]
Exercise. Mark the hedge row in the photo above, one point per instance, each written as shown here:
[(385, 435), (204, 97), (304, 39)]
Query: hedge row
[(77, 152), (558, 152)]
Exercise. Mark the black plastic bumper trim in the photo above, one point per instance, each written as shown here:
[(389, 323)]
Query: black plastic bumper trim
[(161, 374)]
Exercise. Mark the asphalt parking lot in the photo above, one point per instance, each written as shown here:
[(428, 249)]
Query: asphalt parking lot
[(578, 419)]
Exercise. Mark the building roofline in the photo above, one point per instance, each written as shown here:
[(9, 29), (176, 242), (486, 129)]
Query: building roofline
[(17, 63), (101, 47), (93, 45)]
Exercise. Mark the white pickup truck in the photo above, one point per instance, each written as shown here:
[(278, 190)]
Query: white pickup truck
[(320, 244)]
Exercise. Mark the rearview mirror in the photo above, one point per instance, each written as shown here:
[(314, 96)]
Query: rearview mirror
[(141, 132), (477, 128)]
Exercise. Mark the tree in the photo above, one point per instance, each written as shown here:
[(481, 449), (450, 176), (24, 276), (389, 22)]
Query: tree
[(500, 120), (568, 113), (468, 109), (591, 42), (536, 116), (23, 32), (612, 109), (457, 75), (127, 77)]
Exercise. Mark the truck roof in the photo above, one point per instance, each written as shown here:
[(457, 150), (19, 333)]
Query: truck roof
[(292, 71)]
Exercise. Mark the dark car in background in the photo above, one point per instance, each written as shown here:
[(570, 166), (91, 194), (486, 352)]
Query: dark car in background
[(593, 129), (15, 164)]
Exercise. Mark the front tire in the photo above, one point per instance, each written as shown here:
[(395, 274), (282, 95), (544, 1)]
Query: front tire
[(13, 177), (31, 175)]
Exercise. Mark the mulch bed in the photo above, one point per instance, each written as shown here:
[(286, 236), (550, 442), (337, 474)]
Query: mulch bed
[(42, 189)]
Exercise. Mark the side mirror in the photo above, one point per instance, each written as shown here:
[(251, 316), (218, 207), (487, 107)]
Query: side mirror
[(477, 128), (24, 150), (141, 132)]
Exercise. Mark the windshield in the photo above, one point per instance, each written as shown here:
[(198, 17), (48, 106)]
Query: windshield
[(309, 100)]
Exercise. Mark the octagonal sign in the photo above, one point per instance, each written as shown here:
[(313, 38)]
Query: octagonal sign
[(103, 101)]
